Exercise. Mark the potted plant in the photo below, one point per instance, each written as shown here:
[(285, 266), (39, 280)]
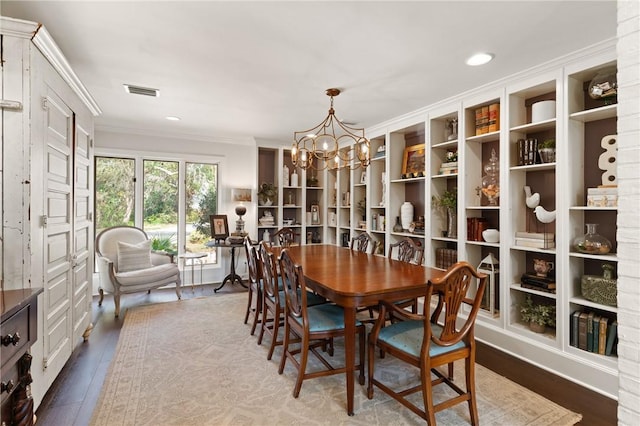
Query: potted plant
[(267, 194), (449, 202), (538, 317), (547, 151)]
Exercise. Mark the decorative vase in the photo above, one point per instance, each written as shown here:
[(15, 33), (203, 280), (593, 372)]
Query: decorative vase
[(294, 178), (537, 328), (406, 215), (452, 224), (285, 175), (592, 242), (491, 182), (397, 227)]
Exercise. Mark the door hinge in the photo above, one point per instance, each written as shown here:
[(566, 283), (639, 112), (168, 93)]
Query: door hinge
[(45, 363), (45, 104), (91, 143), (90, 217), (44, 220)]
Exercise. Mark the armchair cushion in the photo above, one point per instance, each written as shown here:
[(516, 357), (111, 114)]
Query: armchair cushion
[(408, 336), (159, 274), (132, 257)]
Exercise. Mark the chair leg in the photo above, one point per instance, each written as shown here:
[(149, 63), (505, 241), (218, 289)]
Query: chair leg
[(371, 367), (470, 374), (450, 371), (116, 301), (274, 336), (285, 347), (361, 347), (256, 313), (427, 394), (246, 315), (302, 368), (101, 291), (263, 324)]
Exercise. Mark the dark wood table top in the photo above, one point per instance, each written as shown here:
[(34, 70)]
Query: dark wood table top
[(352, 279), (11, 301)]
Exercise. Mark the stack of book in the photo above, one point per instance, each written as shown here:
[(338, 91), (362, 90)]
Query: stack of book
[(535, 282), (446, 257), (544, 240), (487, 119), (475, 226), (602, 196), (594, 333), (449, 168)]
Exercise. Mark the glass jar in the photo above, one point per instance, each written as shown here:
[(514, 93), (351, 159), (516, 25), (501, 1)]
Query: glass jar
[(491, 181), (592, 242), (604, 86)]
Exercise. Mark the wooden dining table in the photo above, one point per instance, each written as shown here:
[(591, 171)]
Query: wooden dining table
[(353, 279)]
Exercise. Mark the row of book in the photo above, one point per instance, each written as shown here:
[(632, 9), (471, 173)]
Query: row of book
[(535, 282), (475, 226), (487, 119), (446, 257), (527, 150), (593, 332)]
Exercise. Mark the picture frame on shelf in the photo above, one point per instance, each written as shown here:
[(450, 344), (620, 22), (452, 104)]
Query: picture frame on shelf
[(413, 161), (219, 226), (363, 177)]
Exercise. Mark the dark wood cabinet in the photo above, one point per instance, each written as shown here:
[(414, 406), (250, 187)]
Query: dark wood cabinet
[(18, 331)]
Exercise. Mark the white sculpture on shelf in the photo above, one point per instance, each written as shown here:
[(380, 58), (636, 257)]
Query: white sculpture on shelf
[(532, 200), (544, 216), (607, 160)]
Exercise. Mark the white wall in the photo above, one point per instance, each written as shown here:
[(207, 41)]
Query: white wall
[(628, 212), (237, 161)]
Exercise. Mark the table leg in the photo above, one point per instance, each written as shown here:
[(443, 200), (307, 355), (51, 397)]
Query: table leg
[(350, 353), (232, 277)]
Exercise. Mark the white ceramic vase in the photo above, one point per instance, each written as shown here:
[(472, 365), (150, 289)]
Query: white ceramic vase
[(406, 215), (294, 178)]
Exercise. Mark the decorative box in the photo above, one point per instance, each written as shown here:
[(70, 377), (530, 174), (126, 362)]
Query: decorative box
[(600, 289)]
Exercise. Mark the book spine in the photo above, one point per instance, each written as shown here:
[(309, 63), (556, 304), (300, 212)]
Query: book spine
[(574, 329), (596, 333), (602, 335), (536, 235), (582, 331), (478, 121), (590, 331), (494, 117), (612, 335)]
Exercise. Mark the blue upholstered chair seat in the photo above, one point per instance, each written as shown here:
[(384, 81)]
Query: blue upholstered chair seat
[(325, 317), (312, 298), (407, 336)]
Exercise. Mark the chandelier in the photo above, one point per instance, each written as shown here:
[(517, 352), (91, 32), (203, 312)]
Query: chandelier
[(319, 147)]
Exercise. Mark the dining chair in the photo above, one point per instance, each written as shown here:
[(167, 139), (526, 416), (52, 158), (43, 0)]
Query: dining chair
[(311, 327), (362, 241), (255, 285), (426, 343), (408, 251), (272, 299), (284, 237)]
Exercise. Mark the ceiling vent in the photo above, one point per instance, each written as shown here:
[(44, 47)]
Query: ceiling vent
[(138, 90)]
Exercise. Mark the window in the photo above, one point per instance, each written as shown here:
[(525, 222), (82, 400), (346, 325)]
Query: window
[(148, 193)]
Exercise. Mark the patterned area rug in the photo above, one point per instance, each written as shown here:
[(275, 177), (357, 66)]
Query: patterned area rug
[(193, 362)]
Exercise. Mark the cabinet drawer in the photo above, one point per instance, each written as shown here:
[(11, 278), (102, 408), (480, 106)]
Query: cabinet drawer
[(9, 373), (17, 323)]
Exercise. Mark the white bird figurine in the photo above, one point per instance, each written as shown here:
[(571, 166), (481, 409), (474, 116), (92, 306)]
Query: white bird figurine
[(543, 215), (532, 200)]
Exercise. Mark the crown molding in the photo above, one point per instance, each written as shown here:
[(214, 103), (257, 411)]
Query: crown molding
[(245, 141)]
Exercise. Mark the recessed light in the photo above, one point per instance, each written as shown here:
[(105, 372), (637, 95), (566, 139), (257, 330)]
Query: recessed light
[(480, 59), (172, 118)]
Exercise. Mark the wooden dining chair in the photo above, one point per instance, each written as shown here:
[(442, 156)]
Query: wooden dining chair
[(254, 301), (284, 237), (273, 304), (311, 327), (362, 242), (426, 343), (408, 251)]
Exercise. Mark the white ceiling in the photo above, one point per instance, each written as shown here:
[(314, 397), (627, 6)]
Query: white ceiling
[(259, 69)]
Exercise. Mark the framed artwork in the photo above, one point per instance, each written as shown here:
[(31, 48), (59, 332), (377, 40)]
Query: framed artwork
[(315, 214), (413, 161), (239, 195), (219, 226), (363, 177)]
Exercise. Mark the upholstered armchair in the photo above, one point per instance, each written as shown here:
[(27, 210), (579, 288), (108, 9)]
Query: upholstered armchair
[(126, 264)]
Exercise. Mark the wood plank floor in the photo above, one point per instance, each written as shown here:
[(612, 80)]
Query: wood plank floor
[(74, 394)]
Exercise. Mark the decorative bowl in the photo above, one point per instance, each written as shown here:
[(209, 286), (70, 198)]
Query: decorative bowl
[(491, 235)]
